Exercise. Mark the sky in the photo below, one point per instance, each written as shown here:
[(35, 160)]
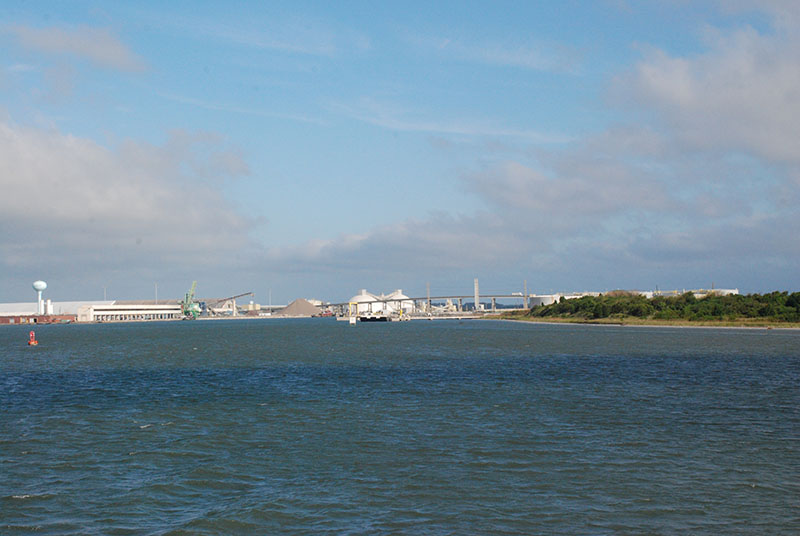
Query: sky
[(312, 149)]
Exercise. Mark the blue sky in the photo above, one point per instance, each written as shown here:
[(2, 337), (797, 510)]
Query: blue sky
[(315, 148)]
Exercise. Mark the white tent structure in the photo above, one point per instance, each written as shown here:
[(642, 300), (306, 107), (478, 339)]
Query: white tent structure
[(366, 303), (399, 303)]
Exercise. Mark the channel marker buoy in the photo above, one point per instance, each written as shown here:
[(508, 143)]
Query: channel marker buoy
[(32, 341)]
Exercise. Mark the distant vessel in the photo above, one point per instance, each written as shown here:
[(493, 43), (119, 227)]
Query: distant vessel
[(374, 318)]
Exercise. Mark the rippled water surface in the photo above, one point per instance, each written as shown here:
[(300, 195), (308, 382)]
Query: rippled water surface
[(447, 427)]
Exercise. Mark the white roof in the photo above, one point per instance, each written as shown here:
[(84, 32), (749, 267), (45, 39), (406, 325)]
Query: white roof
[(363, 297), (398, 295), (59, 308), (12, 309)]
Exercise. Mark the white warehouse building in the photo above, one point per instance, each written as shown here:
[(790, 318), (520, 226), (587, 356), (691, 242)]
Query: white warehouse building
[(366, 303), (121, 311)]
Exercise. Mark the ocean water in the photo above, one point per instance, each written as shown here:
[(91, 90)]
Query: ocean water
[(444, 427)]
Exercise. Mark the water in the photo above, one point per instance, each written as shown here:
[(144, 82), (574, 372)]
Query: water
[(475, 427)]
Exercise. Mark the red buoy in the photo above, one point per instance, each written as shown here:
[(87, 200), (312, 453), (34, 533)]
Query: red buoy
[(33, 341)]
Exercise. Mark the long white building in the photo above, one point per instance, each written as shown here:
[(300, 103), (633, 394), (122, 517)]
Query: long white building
[(128, 312), (98, 311)]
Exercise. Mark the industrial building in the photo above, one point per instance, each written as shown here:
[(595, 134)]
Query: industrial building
[(121, 311), (87, 311), (13, 318), (394, 303)]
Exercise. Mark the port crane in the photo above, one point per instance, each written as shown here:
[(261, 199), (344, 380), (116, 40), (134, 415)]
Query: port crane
[(189, 307)]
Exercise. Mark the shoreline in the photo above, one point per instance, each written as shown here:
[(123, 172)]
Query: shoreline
[(639, 323)]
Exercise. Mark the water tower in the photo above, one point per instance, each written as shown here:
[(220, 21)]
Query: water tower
[(39, 286)]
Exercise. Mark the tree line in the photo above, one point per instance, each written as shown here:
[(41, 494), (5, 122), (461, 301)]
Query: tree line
[(775, 306)]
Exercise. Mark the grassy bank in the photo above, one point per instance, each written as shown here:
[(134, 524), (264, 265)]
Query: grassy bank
[(776, 309)]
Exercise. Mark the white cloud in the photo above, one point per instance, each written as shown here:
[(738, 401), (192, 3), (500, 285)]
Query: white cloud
[(523, 55), (744, 240), (441, 242), (616, 210), (68, 202), (295, 35), (395, 117), (785, 13), (295, 40), (239, 109), (531, 223), (98, 45), (585, 189), (739, 95)]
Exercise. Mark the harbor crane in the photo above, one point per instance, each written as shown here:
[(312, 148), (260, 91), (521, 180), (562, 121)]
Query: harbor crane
[(189, 307)]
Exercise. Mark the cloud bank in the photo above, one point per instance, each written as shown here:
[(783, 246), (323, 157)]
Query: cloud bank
[(137, 211), (700, 185)]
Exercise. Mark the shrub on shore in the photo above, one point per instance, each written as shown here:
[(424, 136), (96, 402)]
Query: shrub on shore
[(774, 307)]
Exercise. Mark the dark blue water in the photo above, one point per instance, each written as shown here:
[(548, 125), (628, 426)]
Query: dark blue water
[(476, 427)]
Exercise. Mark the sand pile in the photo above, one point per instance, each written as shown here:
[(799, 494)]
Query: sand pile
[(299, 307)]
